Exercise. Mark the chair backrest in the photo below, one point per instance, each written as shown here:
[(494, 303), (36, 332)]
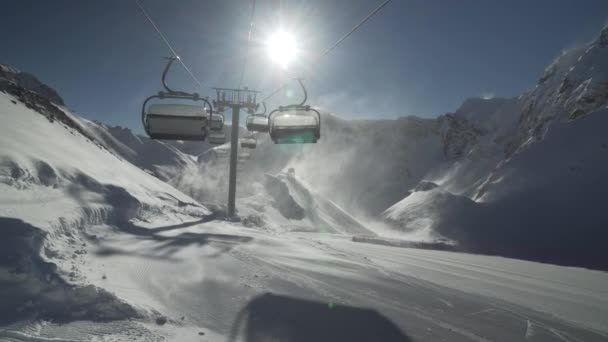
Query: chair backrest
[(257, 123), (177, 110), (176, 122), (217, 137)]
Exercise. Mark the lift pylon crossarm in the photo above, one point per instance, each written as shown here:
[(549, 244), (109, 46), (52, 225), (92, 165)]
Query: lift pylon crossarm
[(230, 97)]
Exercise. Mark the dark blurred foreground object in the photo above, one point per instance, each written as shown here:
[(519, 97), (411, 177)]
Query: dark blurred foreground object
[(272, 317)]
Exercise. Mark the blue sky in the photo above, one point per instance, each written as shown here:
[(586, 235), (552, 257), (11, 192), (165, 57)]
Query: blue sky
[(416, 57)]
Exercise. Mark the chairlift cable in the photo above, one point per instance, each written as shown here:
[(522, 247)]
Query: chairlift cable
[(338, 42), (166, 41), (328, 50), (248, 44)]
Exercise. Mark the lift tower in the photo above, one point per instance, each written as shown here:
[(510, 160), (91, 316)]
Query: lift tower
[(236, 99)]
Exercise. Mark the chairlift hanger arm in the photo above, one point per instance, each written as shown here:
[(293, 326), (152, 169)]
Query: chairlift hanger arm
[(304, 90), (172, 92), (164, 79), (164, 75), (301, 105), (264, 112)]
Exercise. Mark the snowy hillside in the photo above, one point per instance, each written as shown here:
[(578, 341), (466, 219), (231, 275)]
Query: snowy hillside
[(12, 77), (54, 184), (575, 84), (546, 203), (532, 184)]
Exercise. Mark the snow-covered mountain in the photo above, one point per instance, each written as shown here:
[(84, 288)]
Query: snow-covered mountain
[(13, 78), (55, 183), (100, 224), (531, 186), (372, 167)]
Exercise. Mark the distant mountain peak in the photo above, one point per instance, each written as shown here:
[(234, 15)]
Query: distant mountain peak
[(13, 76)]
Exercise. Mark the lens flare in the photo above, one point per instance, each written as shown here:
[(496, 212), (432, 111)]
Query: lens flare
[(281, 47)]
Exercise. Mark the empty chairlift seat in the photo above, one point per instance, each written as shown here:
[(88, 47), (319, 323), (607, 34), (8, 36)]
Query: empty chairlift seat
[(249, 142), (257, 123), (300, 125), (216, 137), (244, 156), (176, 122), (217, 122), (240, 164)]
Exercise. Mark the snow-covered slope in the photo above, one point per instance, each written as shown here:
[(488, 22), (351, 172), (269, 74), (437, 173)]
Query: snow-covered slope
[(54, 183), (158, 158), (575, 84), (285, 203), (530, 183), (544, 203), (554, 193)]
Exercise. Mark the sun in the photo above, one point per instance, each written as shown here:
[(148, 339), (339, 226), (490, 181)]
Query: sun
[(281, 47)]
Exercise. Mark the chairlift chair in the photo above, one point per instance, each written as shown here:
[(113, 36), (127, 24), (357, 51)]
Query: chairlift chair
[(258, 122), (176, 121), (217, 122), (240, 164), (244, 156), (216, 137), (295, 124), (249, 142)]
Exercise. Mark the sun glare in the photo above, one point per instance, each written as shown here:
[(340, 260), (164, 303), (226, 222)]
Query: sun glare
[(281, 48)]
